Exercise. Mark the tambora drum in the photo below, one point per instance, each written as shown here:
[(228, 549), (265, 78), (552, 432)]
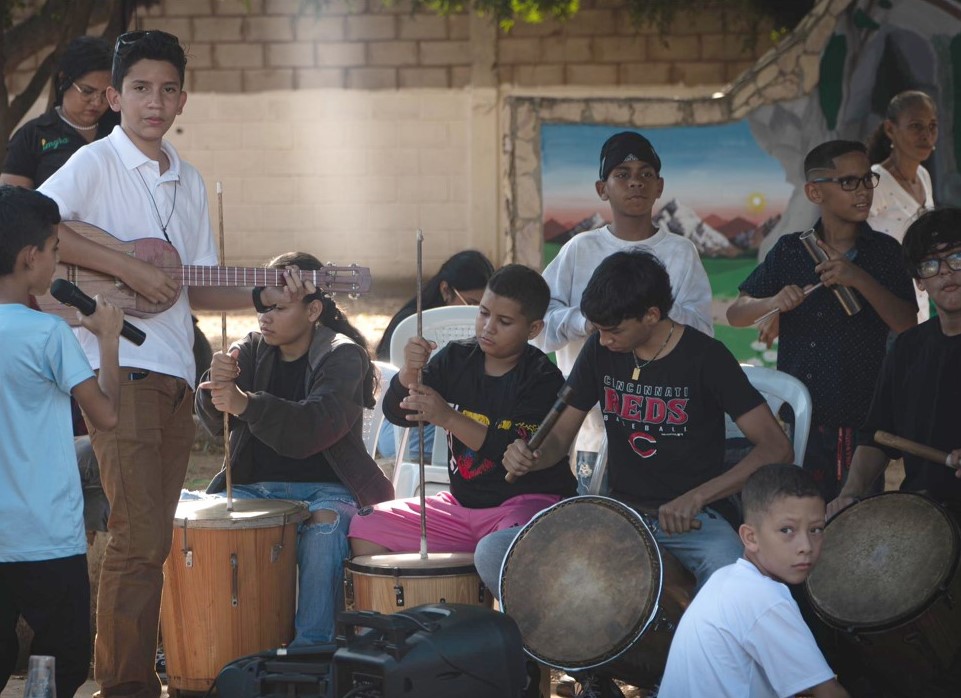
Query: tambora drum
[(888, 578), (229, 585), (590, 588), (399, 581)]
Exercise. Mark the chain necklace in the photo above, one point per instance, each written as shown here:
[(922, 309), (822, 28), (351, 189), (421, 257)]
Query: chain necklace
[(637, 366), (163, 226), (69, 123)]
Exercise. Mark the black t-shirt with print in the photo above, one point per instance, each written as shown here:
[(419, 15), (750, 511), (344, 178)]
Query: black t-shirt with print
[(665, 430), (511, 406)]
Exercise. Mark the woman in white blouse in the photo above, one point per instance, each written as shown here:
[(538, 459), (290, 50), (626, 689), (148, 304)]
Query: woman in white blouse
[(900, 144)]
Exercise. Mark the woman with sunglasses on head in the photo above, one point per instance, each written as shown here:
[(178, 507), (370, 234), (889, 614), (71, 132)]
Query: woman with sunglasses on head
[(80, 115), (898, 146), (459, 281)]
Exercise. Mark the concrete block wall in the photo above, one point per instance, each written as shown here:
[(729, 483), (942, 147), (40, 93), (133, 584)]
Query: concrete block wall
[(346, 176), (341, 132), (601, 46), (237, 46)]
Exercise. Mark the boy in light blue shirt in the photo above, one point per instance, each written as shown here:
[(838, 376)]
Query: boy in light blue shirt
[(43, 567)]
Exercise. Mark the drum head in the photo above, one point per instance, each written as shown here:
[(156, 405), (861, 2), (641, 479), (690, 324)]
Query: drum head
[(884, 561), (411, 564), (582, 580), (246, 513)]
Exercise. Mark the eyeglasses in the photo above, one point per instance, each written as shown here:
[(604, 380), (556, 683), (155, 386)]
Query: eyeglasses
[(128, 39), (850, 183), (90, 94), (931, 267)]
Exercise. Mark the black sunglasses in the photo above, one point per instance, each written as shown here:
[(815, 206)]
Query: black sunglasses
[(128, 39)]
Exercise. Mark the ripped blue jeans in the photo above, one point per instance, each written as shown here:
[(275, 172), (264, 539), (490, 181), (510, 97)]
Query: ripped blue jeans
[(321, 551)]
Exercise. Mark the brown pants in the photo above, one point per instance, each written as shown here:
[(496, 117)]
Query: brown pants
[(143, 462)]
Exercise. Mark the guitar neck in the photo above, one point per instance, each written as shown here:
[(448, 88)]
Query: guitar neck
[(349, 279)]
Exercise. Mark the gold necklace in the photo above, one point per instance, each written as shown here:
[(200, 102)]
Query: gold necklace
[(637, 367)]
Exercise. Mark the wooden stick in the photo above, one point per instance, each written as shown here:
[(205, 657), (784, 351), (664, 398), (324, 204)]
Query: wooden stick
[(774, 312), (547, 425), (223, 348), (420, 380), (914, 448)]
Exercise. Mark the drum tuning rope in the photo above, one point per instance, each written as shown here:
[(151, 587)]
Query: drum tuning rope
[(223, 348), (420, 380)]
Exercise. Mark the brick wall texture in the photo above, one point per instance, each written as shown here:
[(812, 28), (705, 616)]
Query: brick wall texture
[(340, 132), (238, 46)]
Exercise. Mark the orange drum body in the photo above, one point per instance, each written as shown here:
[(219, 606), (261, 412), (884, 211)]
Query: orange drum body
[(889, 580), (590, 589), (400, 581), (229, 585)]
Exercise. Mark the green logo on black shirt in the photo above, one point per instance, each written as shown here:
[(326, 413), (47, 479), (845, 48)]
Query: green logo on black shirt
[(46, 145)]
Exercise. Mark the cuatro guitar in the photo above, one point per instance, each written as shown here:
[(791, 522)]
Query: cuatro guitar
[(160, 253)]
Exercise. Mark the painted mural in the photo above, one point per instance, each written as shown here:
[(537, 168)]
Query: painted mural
[(721, 190)]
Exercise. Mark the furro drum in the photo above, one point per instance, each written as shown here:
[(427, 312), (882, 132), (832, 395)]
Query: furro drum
[(888, 579), (400, 581), (229, 585), (590, 589)]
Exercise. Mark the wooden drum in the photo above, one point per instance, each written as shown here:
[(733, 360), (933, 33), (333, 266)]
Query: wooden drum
[(399, 581), (590, 589), (230, 585), (889, 579)]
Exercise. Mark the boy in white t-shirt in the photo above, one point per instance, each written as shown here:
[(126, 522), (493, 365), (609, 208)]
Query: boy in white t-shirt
[(743, 635), (629, 180)]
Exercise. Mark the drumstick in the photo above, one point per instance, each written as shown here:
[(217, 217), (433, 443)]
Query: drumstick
[(420, 381), (223, 348), (549, 421), (914, 448), (774, 312)]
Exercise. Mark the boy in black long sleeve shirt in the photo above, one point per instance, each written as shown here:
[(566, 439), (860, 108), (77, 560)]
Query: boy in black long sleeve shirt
[(485, 392)]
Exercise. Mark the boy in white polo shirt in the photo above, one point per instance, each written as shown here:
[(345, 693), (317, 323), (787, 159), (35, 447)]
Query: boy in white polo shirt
[(134, 185)]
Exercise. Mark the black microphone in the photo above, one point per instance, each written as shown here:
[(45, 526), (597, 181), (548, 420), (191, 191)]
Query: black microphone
[(68, 294)]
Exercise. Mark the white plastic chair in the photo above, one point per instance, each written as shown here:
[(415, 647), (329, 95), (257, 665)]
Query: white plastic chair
[(777, 388), (374, 418), (440, 325)]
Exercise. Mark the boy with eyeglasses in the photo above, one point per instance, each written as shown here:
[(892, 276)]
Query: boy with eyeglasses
[(918, 393), (836, 355), (133, 184)]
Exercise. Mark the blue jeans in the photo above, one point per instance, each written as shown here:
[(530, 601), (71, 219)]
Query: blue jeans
[(387, 445), (702, 551), (321, 551)]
